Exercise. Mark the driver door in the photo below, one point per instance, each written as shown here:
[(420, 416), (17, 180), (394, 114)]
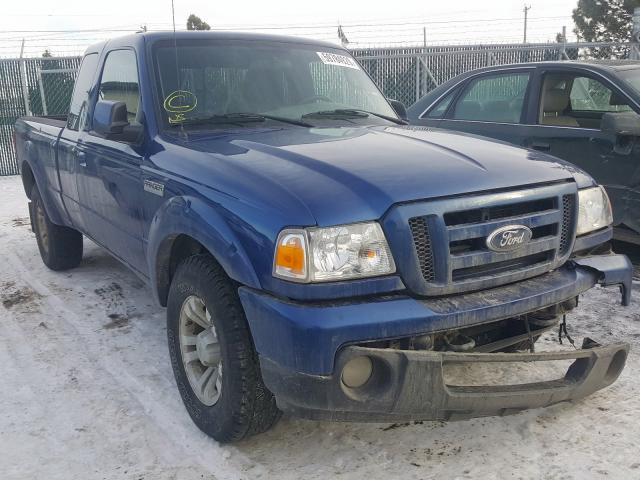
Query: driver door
[(110, 178)]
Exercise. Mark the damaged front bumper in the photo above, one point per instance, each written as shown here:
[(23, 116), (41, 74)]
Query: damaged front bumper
[(611, 270), (304, 347), (410, 385)]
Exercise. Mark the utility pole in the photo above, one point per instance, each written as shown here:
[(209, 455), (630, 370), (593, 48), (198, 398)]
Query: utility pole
[(563, 47), (424, 37), (526, 14), (634, 54)]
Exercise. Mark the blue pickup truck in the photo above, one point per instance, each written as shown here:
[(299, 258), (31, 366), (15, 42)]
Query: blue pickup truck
[(317, 255)]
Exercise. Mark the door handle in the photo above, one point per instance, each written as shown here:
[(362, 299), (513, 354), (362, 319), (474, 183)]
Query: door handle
[(82, 161), (540, 146)]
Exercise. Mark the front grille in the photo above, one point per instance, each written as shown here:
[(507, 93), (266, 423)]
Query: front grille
[(499, 267), (568, 213), (498, 212), (422, 244), (450, 242)]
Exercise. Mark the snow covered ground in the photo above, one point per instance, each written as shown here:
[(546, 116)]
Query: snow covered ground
[(87, 392)]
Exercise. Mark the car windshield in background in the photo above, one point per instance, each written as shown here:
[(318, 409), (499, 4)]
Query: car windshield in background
[(631, 77), (221, 83)]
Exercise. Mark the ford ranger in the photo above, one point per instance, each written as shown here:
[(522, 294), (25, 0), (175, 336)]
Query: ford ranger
[(315, 254)]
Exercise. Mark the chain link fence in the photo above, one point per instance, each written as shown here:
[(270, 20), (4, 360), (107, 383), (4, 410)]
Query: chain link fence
[(406, 74), (34, 86), (43, 86)]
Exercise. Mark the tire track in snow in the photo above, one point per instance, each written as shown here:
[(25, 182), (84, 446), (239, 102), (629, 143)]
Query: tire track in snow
[(217, 460)]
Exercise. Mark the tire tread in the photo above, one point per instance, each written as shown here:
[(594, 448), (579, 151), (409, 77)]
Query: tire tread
[(257, 410)]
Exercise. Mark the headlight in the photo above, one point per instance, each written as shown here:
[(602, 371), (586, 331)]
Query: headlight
[(331, 254), (594, 210)]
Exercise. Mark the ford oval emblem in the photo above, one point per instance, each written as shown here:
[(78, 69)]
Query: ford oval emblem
[(508, 238)]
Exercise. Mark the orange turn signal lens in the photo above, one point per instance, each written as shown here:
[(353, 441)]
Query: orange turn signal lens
[(291, 256)]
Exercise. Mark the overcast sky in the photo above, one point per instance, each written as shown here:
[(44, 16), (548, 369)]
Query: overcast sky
[(49, 24)]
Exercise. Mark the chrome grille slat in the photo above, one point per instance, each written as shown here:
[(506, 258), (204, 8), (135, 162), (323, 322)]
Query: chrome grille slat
[(477, 230), (476, 258)]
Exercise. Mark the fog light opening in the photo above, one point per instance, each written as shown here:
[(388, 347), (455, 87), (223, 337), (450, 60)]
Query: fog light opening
[(357, 372), (616, 366)]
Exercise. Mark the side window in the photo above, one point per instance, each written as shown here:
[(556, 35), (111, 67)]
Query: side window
[(119, 81), (588, 94), (497, 98), (570, 100), (441, 107), (80, 99)]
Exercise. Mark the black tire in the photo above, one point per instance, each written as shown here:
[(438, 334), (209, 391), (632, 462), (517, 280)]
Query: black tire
[(60, 247), (245, 406)]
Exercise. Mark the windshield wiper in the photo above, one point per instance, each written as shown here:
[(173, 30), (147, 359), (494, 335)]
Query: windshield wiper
[(352, 113), (238, 118)]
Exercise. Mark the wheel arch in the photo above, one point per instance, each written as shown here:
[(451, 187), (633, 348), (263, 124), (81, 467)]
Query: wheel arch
[(188, 226), (33, 175), (28, 178)]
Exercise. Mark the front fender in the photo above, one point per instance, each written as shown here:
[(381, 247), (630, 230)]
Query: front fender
[(191, 216)]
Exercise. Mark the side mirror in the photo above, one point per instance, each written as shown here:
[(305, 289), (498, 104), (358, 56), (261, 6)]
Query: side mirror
[(625, 127), (110, 118), (624, 124), (399, 107)]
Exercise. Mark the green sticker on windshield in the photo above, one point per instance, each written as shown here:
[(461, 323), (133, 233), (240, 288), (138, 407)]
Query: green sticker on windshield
[(179, 103)]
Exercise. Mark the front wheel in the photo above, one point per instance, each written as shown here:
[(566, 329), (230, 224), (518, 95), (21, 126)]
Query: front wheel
[(214, 362)]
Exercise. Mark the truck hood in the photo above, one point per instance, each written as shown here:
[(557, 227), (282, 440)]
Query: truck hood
[(344, 175)]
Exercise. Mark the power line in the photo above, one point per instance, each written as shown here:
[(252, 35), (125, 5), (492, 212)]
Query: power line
[(299, 26), (397, 32)]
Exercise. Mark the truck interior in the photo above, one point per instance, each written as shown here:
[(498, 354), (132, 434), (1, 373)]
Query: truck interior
[(279, 79)]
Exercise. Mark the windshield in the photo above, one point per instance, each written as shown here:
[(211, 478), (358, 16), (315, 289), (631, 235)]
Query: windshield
[(305, 84), (632, 77)]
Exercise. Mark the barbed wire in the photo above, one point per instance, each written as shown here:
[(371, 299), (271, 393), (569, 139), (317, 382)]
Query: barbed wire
[(410, 32)]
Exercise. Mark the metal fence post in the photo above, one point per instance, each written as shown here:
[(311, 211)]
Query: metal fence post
[(634, 54), (43, 100), (417, 79), (23, 79)]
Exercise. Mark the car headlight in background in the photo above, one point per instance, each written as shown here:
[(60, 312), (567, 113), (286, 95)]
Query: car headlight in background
[(330, 254), (594, 210)]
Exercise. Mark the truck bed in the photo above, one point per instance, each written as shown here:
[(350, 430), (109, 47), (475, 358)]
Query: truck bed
[(59, 121)]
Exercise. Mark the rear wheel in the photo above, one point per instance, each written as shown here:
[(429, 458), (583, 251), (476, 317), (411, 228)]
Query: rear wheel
[(60, 247), (212, 354)]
